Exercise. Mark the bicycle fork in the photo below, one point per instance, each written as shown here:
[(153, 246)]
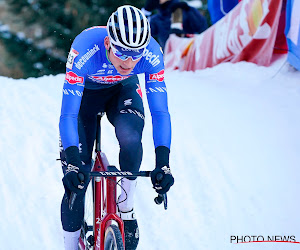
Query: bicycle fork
[(104, 215)]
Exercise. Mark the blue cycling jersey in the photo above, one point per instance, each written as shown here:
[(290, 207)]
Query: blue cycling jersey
[(88, 67)]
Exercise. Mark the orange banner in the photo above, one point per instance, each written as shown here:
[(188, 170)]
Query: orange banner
[(247, 33)]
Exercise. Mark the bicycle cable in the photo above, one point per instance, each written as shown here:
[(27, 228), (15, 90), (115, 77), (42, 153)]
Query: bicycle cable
[(115, 189)]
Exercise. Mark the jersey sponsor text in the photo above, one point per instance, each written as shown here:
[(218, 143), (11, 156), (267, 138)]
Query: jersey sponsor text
[(86, 56), (73, 78), (153, 59), (160, 76), (108, 79)]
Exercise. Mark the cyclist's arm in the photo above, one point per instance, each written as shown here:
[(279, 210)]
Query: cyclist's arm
[(68, 124), (71, 101), (158, 105), (157, 94), (77, 68), (157, 99)]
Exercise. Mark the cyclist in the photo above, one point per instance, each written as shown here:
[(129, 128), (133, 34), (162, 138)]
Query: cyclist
[(101, 76)]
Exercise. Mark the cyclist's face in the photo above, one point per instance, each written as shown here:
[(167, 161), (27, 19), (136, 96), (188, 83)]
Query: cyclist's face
[(123, 67)]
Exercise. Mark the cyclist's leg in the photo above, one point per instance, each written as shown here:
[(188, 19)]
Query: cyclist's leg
[(126, 113), (127, 116), (72, 220)]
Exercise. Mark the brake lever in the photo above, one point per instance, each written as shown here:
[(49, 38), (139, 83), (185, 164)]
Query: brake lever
[(161, 198), (74, 195)]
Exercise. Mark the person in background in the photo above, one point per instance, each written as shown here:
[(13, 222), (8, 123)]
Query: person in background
[(219, 8), (187, 20), (101, 76), (150, 7), (193, 22)]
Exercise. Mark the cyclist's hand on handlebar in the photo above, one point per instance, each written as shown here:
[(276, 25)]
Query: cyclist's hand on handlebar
[(162, 179), (161, 176), (75, 180)]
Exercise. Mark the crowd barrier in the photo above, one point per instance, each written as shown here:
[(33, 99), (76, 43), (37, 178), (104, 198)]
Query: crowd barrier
[(247, 33)]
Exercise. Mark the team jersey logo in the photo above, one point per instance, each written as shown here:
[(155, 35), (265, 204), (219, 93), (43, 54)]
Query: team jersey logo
[(139, 91), (151, 58), (73, 78), (87, 56), (71, 57), (160, 76), (109, 79)]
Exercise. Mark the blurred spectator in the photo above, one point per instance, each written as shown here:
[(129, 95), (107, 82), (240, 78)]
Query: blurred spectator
[(150, 6), (160, 23), (189, 19), (219, 8), (192, 22)]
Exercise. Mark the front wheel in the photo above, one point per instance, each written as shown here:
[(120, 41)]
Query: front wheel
[(113, 238)]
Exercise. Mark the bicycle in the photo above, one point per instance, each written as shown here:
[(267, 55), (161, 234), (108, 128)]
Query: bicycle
[(105, 230)]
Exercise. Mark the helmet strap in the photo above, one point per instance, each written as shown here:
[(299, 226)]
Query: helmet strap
[(107, 52)]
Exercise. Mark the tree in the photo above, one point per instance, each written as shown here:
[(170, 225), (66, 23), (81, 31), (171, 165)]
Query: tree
[(48, 29)]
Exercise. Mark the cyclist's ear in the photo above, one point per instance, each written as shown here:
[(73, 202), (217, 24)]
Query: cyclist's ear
[(106, 43)]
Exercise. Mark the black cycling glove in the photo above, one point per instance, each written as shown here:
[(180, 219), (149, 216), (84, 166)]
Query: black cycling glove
[(161, 176), (75, 179)]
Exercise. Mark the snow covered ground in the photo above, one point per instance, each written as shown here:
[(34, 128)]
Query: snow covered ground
[(235, 156)]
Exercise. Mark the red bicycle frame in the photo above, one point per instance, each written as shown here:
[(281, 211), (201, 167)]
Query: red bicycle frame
[(105, 207), (105, 197)]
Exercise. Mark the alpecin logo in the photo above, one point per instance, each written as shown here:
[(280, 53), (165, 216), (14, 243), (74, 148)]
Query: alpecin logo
[(160, 76), (73, 78), (242, 239)]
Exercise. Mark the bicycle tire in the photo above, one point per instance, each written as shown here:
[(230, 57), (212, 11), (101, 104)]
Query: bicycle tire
[(87, 226), (113, 238)]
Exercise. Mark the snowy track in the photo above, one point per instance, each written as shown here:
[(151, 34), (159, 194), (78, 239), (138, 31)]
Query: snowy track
[(235, 157)]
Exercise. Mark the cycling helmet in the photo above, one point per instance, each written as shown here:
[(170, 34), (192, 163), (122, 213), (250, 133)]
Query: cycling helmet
[(129, 28)]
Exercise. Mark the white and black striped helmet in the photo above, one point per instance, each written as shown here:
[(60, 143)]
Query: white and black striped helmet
[(129, 28)]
